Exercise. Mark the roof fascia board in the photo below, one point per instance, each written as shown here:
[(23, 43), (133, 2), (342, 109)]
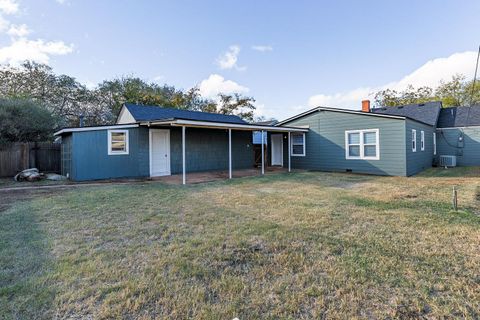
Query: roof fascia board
[(224, 125), (120, 126), (464, 127), (342, 111)]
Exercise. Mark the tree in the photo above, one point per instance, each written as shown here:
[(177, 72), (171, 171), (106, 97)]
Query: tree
[(456, 92), (114, 93), (62, 94), (236, 104), (23, 120), (68, 99)]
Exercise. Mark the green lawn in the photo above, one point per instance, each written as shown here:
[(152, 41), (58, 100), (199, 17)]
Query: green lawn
[(302, 245)]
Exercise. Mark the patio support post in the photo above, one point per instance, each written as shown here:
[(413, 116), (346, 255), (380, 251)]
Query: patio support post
[(184, 178), (289, 155), (263, 160), (230, 153)]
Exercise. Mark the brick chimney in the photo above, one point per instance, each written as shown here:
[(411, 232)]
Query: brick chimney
[(366, 105)]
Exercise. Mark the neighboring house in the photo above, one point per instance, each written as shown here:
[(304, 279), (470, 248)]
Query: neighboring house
[(150, 141)]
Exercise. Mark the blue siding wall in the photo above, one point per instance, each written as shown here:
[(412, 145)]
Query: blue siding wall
[(207, 149), (92, 162), (448, 144), (419, 160), (325, 140)]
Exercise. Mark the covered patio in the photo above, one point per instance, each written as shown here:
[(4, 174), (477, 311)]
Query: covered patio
[(211, 175)]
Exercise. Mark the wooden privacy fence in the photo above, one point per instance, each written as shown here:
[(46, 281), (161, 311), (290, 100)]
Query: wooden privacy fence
[(15, 157)]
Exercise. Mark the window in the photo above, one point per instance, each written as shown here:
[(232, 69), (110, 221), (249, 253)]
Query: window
[(298, 144), (422, 140), (362, 144), (414, 140), (434, 143), (117, 142)]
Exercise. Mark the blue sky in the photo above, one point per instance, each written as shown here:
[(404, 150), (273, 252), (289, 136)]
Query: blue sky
[(288, 55)]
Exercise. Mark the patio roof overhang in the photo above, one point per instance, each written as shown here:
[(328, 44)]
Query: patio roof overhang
[(221, 125), (226, 126)]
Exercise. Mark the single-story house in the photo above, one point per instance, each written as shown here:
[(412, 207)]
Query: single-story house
[(149, 141)]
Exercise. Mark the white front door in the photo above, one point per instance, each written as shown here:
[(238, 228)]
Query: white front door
[(277, 149), (159, 152)]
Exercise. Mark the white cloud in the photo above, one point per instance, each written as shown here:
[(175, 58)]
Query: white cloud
[(428, 74), (228, 59), (36, 50), (215, 84), (9, 6), (21, 48), (18, 30), (262, 48), (60, 1), (158, 79), (263, 111), (3, 24)]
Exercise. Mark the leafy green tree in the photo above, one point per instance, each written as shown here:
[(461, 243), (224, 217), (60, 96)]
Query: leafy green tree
[(23, 120), (68, 99), (62, 94), (114, 93), (241, 106), (456, 92)]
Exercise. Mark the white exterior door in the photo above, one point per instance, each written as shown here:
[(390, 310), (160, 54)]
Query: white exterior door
[(159, 152), (277, 149)]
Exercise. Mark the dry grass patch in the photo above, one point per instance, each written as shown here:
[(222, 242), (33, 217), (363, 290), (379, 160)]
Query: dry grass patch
[(307, 245)]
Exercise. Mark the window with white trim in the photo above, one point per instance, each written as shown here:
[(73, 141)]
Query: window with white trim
[(434, 143), (298, 144), (414, 140), (422, 140), (117, 142), (362, 144)]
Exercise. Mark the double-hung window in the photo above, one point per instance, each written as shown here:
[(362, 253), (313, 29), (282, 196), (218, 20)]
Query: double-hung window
[(422, 140), (434, 143), (362, 144), (117, 142), (414, 140), (298, 144)]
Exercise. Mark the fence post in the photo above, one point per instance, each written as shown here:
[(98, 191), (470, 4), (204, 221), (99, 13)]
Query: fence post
[(454, 199)]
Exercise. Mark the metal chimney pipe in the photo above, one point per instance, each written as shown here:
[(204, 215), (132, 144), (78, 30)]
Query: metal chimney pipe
[(81, 119)]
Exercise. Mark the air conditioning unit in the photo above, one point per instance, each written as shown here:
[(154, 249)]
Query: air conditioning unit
[(448, 161)]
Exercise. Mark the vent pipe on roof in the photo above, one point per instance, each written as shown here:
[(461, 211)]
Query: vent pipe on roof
[(366, 105), (80, 117)]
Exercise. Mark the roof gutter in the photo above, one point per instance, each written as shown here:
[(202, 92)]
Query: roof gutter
[(118, 126), (341, 111), (224, 125)]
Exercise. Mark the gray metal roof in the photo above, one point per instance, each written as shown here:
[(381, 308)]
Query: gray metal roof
[(424, 112), (459, 117), (152, 113)]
